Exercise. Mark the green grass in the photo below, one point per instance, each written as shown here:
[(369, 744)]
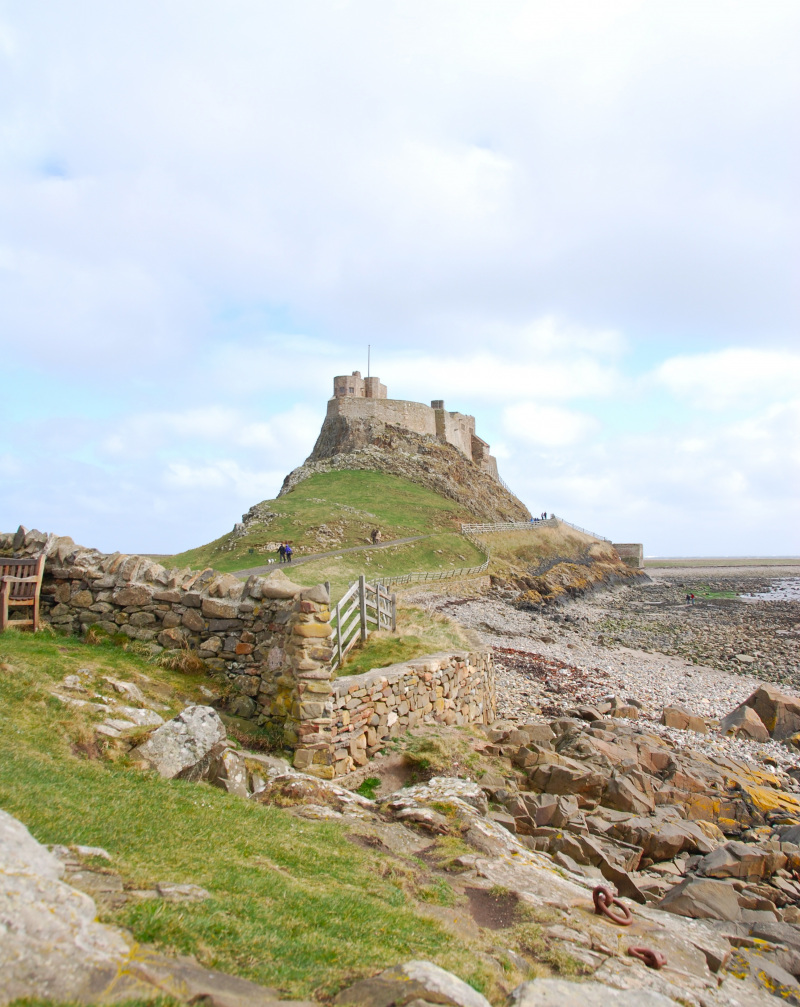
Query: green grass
[(295, 905), (350, 503), (418, 633), (369, 787), (437, 552)]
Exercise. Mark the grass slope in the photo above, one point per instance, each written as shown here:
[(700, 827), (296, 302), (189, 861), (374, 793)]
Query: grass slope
[(436, 552), (295, 905), (348, 503)]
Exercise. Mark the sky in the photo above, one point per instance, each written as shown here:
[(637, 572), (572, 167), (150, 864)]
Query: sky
[(577, 221)]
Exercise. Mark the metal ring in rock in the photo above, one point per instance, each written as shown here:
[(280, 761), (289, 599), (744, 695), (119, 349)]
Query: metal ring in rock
[(652, 959), (604, 900)]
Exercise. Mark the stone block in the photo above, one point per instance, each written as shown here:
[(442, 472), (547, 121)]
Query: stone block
[(193, 621), (82, 599), (217, 609), (683, 720), (134, 595), (312, 629)]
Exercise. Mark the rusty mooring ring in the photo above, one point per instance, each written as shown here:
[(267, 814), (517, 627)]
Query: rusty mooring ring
[(604, 899), (652, 959)]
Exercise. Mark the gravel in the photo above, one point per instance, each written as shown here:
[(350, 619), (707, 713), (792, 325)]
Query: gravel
[(548, 662)]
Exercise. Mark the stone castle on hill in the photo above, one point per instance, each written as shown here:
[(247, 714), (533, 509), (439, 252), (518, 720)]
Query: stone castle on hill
[(357, 398)]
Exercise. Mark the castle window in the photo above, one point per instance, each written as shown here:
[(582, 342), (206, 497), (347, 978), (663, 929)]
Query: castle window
[(342, 390), (352, 391)]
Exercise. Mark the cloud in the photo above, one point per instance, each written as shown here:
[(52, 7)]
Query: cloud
[(145, 434), (556, 217), (225, 474), (548, 426), (731, 377)]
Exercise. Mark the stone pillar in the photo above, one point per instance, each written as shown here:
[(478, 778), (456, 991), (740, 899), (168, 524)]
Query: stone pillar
[(308, 647)]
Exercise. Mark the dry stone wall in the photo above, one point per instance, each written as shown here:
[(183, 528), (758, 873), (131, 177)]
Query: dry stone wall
[(447, 688), (269, 637)]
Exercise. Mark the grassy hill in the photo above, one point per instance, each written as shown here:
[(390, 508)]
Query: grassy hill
[(295, 904), (336, 510)]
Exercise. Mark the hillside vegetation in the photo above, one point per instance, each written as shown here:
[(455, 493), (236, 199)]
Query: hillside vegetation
[(294, 904), (329, 511)]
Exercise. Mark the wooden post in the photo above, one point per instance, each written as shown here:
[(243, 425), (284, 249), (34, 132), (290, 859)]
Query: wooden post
[(362, 604), (339, 634), (328, 588), (394, 613)]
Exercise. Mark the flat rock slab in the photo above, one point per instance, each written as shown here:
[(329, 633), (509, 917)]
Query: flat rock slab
[(413, 981), (560, 993)]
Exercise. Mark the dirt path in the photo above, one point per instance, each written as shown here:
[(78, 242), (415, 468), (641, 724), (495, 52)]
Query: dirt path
[(261, 570)]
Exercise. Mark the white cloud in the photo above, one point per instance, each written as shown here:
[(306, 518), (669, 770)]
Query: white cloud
[(225, 474), (145, 434), (731, 377), (521, 206), (548, 426)]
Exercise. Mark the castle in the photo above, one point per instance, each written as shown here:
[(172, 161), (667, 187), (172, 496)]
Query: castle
[(357, 398)]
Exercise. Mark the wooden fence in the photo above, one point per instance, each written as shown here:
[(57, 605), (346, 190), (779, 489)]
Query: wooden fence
[(363, 605)]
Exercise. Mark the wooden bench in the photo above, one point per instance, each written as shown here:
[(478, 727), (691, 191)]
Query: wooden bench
[(20, 587)]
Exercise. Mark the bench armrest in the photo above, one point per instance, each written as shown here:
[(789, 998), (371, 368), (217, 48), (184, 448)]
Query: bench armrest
[(19, 580)]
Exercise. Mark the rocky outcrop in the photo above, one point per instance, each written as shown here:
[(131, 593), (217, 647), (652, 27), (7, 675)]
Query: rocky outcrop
[(373, 445), (52, 948), (414, 982), (186, 746)]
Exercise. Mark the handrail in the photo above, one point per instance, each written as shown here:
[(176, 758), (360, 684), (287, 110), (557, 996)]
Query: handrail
[(532, 525), (585, 531)]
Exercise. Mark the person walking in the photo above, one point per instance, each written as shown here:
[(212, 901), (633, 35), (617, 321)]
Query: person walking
[(282, 552), (288, 552)]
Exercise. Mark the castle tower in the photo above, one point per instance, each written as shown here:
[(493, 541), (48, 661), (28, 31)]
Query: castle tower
[(354, 386)]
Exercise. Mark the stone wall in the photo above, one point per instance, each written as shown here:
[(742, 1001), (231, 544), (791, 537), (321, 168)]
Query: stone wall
[(453, 688), (270, 638)]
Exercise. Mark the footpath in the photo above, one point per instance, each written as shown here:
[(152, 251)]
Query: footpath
[(262, 570)]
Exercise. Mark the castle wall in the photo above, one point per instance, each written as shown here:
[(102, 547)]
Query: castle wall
[(458, 430), (410, 415)]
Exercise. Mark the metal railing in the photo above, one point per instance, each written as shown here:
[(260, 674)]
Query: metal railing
[(551, 522), (489, 526), (585, 531), (362, 605)]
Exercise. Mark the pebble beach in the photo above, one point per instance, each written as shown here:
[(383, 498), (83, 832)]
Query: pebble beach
[(552, 660)]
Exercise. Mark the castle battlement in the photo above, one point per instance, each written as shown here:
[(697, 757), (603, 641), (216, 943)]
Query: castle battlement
[(358, 398)]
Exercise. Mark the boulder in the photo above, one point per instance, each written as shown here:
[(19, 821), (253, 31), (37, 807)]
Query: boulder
[(683, 720), (413, 981), (741, 860), (702, 898), (568, 778), (51, 948), (230, 774), (780, 714), (621, 794), (560, 993), (744, 722), (186, 746)]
